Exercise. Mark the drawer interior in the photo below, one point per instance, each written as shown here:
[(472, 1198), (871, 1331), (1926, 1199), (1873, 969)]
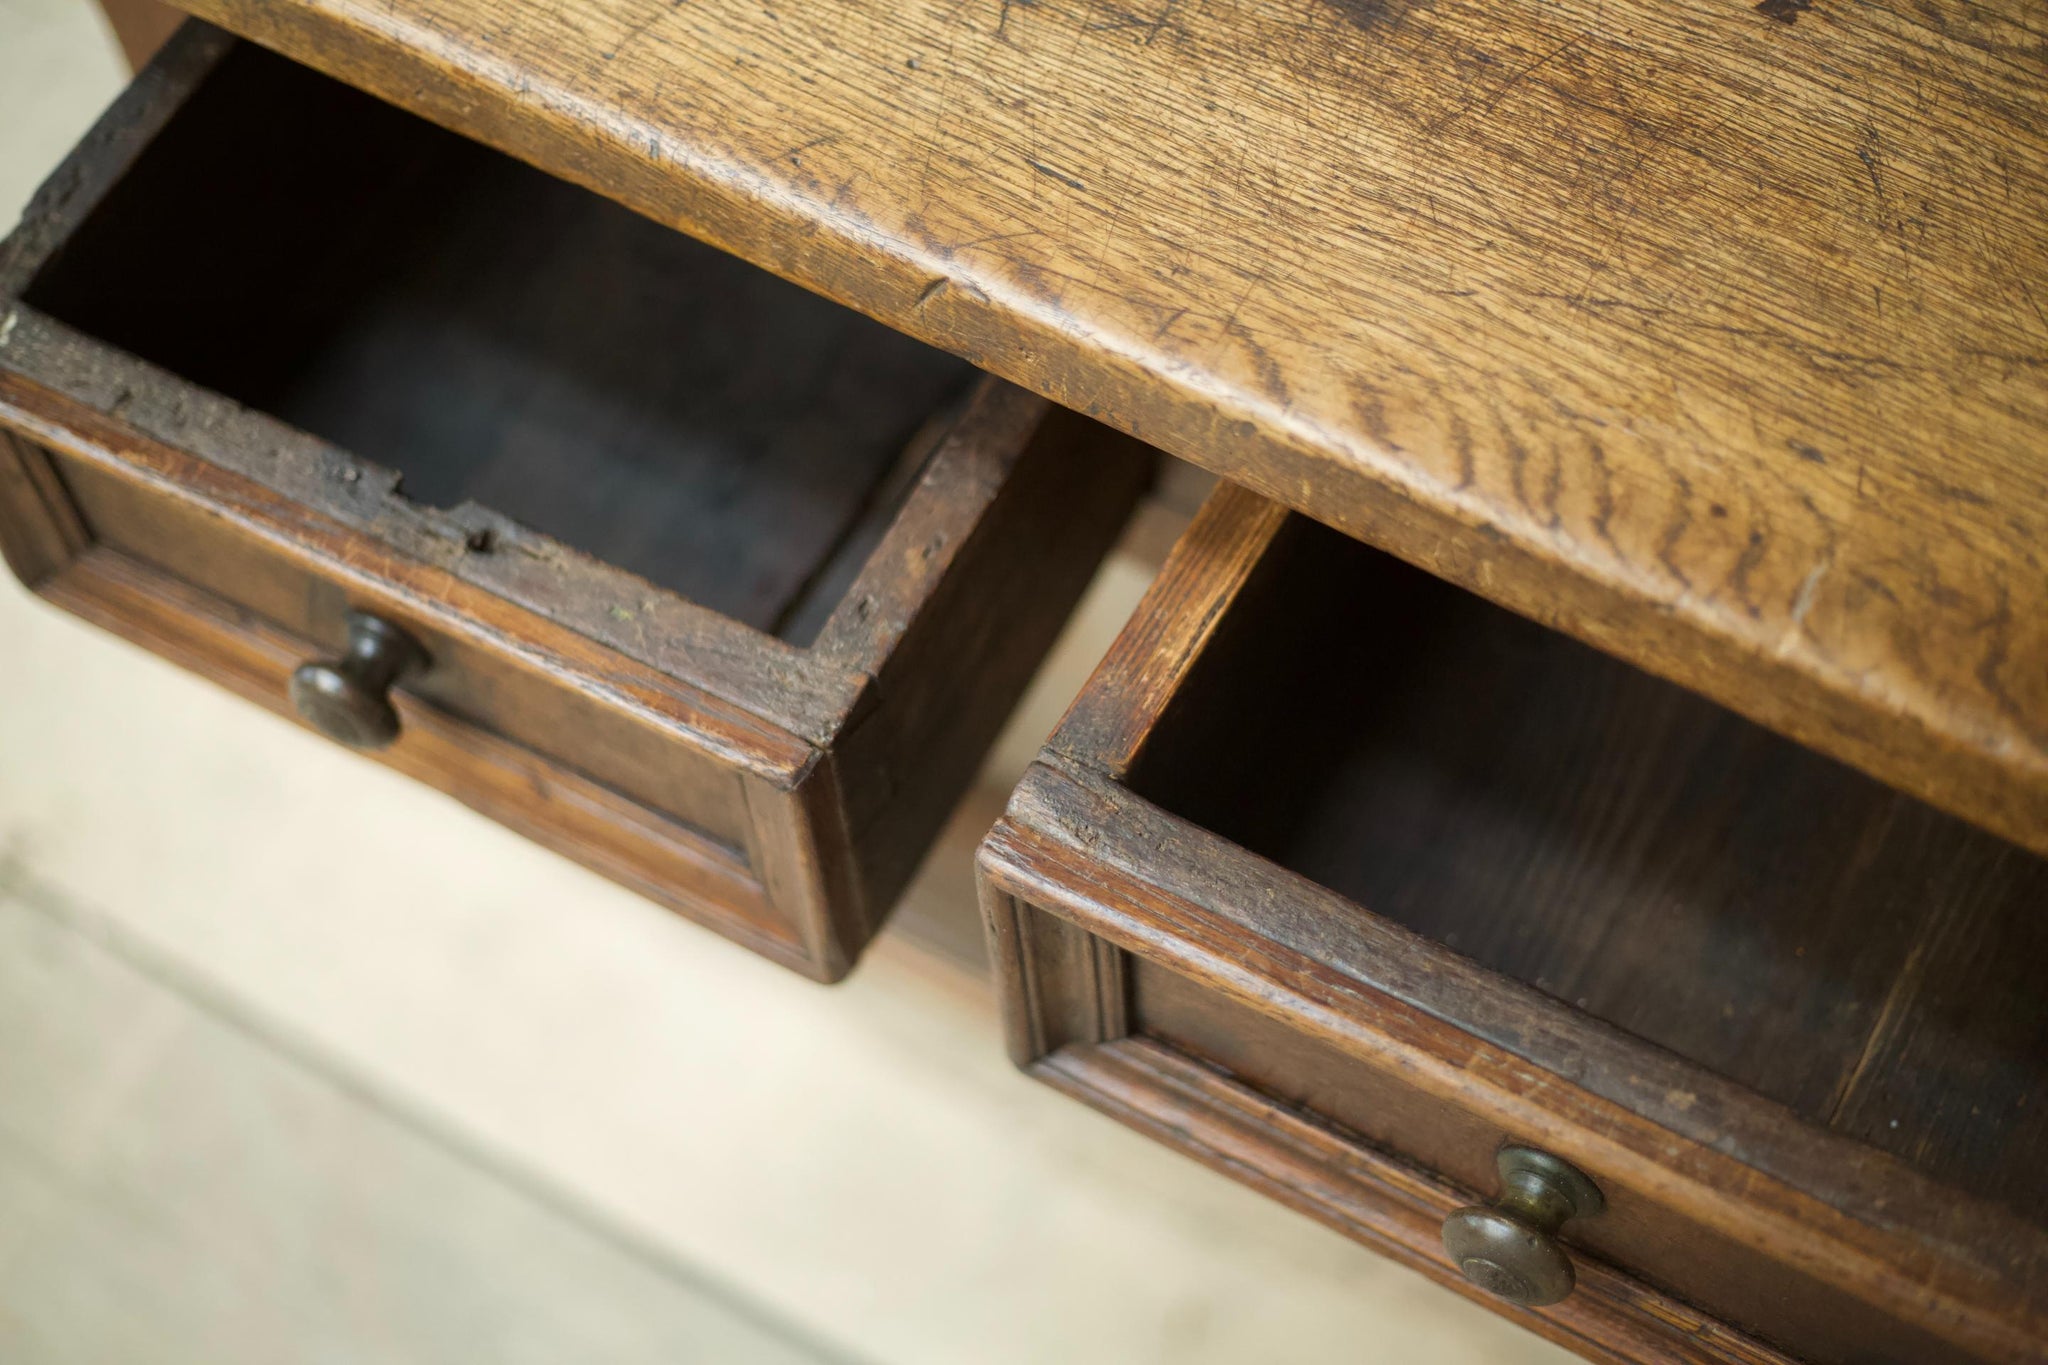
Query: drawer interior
[(1628, 848), (503, 338)]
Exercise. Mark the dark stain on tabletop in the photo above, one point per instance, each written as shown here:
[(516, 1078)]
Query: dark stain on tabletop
[(1784, 11), (1377, 14)]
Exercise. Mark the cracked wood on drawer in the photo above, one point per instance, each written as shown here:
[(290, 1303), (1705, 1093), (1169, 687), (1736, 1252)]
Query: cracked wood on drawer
[(1714, 335)]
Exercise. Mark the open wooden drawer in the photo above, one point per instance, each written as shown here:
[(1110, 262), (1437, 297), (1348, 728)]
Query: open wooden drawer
[(1349, 884), (690, 574)]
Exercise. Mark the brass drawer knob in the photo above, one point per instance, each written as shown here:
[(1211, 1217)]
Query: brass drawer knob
[(1510, 1247), (349, 699)]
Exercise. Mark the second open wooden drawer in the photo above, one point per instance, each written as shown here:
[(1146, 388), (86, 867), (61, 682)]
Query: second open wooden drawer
[(1357, 887), (705, 581)]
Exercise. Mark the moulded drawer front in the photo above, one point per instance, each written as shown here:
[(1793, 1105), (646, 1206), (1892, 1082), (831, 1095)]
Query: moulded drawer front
[(212, 545), (1363, 891), (656, 557)]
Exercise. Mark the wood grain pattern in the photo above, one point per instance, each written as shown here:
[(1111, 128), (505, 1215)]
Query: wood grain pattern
[(1715, 335)]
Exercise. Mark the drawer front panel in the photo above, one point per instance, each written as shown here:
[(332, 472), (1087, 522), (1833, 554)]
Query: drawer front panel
[(1661, 1244), (207, 551), (174, 578), (551, 805), (1094, 950)]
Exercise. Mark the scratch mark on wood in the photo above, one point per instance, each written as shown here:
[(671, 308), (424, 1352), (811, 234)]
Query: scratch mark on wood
[(1866, 153), (1060, 176), (2028, 294), (633, 34), (1237, 307), (1809, 588), (1125, 20), (1509, 85), (794, 152), (971, 243), (1003, 17)]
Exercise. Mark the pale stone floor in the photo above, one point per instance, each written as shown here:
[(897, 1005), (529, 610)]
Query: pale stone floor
[(299, 1062)]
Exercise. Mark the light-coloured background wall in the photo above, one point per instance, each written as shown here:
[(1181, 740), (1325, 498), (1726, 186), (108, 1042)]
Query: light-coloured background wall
[(299, 1062)]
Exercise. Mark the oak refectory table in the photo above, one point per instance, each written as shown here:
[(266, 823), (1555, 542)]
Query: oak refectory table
[(1572, 811)]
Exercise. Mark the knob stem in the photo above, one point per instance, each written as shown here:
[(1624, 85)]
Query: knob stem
[(1543, 1197)]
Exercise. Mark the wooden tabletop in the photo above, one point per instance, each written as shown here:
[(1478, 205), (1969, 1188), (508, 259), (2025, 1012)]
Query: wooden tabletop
[(1714, 335)]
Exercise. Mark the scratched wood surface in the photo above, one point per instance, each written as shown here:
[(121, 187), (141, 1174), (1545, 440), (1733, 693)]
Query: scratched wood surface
[(1714, 335)]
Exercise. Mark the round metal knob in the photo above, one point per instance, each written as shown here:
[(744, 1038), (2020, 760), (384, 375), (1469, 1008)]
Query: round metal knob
[(1510, 1247), (349, 699)]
